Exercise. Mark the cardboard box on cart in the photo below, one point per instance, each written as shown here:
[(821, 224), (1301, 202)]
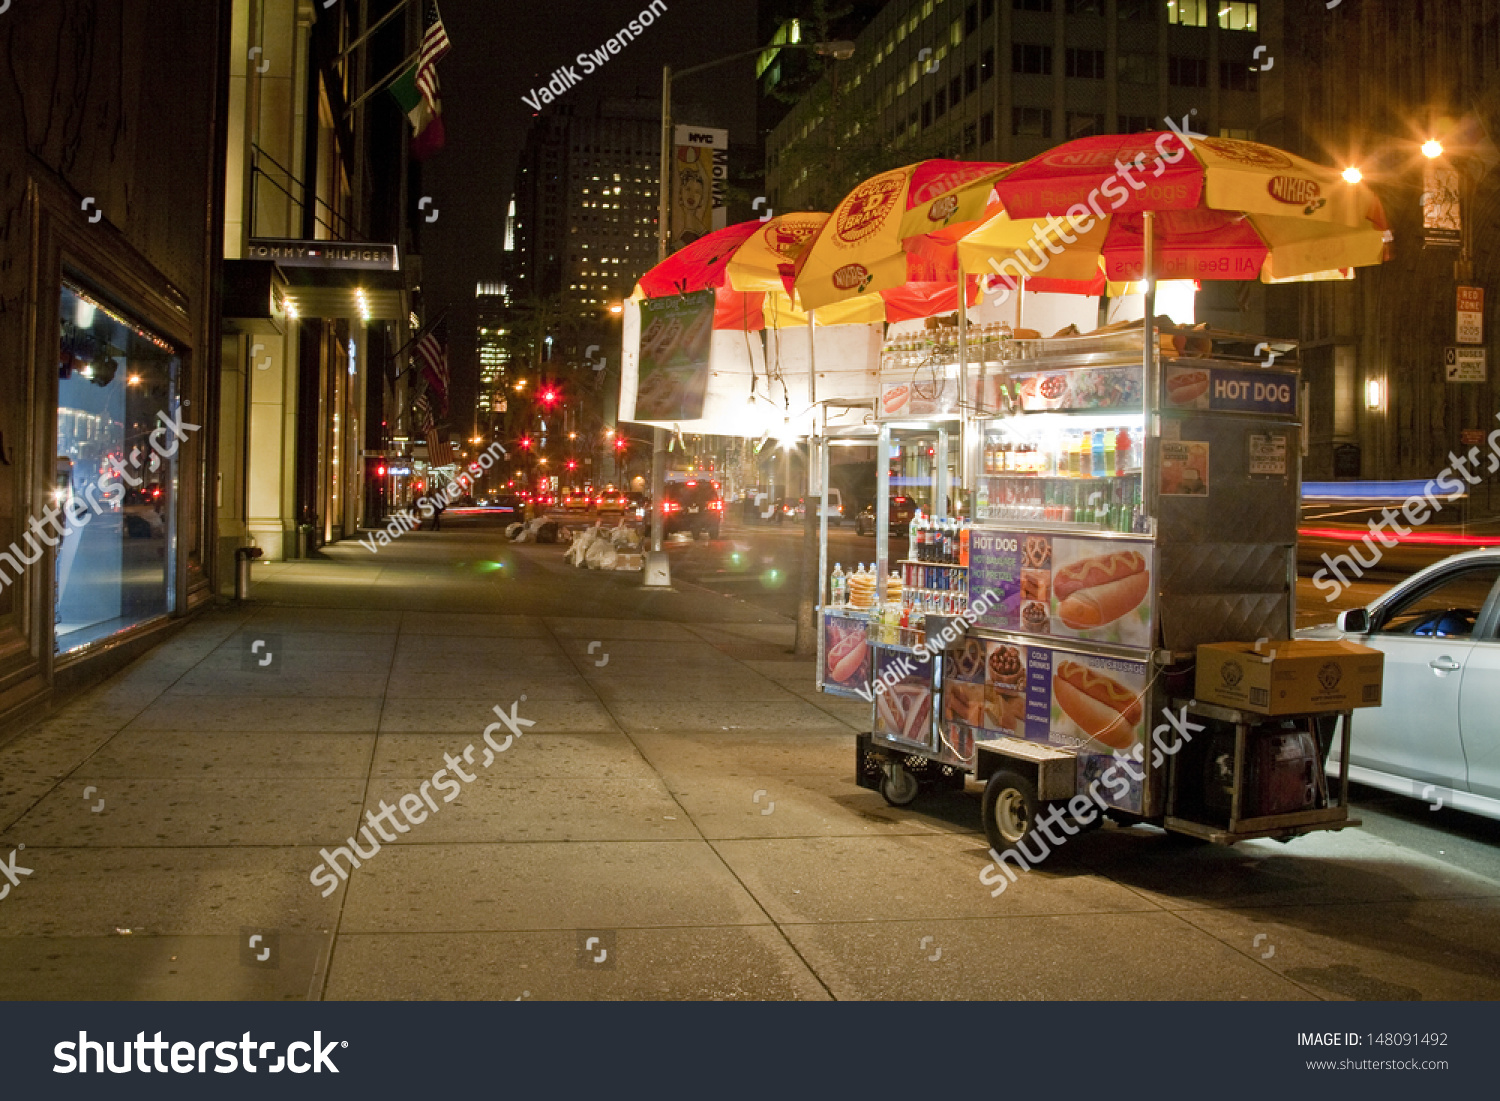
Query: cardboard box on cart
[(1289, 677)]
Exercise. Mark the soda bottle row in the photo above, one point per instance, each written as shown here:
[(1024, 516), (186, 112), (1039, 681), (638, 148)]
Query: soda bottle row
[(943, 540)]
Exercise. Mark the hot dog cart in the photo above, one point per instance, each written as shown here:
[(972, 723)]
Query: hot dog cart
[(1129, 495)]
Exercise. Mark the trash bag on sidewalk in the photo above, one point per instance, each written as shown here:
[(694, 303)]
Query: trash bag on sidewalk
[(602, 555), (513, 531), (546, 532)]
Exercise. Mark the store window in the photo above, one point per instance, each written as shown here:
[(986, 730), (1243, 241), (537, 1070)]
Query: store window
[(1239, 16), (116, 472)]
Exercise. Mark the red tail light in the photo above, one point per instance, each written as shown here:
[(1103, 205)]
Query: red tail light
[(717, 506), (670, 506)]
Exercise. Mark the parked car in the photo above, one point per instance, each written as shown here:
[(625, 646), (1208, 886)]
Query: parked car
[(902, 509), (577, 500), (611, 501), (1435, 734), (694, 507)]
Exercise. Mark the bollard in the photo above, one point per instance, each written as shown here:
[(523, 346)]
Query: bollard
[(243, 556)]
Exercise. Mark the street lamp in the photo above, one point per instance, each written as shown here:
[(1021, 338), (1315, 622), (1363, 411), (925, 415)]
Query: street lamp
[(839, 50)]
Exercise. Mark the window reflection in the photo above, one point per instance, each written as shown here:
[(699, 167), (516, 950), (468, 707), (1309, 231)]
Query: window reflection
[(114, 561)]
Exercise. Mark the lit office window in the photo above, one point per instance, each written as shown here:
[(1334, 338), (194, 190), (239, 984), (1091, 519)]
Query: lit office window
[(1188, 13), (1238, 15)]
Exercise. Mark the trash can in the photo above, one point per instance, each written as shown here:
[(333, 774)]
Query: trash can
[(243, 556)]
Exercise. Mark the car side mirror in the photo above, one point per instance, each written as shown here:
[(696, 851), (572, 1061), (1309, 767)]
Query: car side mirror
[(1356, 621)]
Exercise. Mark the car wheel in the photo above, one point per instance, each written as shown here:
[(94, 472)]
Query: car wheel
[(1010, 809)]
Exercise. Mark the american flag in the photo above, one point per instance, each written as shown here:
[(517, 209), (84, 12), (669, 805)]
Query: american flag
[(439, 453), (434, 45), (432, 356)]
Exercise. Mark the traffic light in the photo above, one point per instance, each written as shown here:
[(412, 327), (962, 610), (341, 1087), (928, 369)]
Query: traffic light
[(548, 396), (620, 445), (526, 443), (572, 465)]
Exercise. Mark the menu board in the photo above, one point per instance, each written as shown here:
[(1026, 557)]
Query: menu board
[(923, 393), (1065, 586), (1082, 389), (1084, 702)]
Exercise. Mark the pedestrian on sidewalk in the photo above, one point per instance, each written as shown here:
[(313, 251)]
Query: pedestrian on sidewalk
[(438, 509)]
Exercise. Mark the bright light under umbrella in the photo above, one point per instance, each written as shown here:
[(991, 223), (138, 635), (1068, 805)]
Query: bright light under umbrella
[(1353, 175)]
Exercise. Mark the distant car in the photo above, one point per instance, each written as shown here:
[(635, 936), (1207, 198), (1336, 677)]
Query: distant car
[(577, 500), (611, 502), (637, 504), (788, 509), (1434, 735), (508, 505), (902, 509), (694, 507)]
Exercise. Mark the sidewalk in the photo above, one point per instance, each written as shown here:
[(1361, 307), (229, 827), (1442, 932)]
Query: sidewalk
[(685, 797)]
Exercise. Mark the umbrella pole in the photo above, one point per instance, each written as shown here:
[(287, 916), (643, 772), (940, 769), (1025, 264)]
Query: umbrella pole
[(962, 466), (1151, 385), (805, 639)]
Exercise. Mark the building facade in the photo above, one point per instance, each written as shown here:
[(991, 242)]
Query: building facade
[(322, 269), (1002, 80), (1367, 86), (109, 320)]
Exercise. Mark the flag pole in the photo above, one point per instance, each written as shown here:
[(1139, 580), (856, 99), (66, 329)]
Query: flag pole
[(383, 82), (382, 21), (420, 333)]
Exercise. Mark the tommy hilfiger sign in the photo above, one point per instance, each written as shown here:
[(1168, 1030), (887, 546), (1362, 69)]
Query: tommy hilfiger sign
[(294, 253)]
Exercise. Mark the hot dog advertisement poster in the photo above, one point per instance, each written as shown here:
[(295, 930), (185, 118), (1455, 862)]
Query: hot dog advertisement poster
[(1073, 587), (846, 656), (1085, 702)]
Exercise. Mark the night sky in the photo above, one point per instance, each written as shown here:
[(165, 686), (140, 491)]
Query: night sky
[(501, 51)]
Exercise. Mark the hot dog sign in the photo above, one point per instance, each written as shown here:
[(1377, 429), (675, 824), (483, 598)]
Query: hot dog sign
[(1066, 586), (1231, 390)]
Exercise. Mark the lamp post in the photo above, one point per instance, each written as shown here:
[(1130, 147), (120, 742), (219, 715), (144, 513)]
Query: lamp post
[(659, 574)]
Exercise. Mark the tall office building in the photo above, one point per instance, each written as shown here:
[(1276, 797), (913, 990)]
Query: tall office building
[(493, 348), (586, 202), (784, 73), (1002, 80)]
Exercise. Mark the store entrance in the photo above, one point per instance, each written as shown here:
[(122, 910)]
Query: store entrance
[(117, 385)]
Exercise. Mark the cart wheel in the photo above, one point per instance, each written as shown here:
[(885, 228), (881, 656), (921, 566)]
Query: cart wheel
[(1010, 809), (898, 785)]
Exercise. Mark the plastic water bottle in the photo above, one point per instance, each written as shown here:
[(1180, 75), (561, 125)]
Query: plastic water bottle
[(839, 586)]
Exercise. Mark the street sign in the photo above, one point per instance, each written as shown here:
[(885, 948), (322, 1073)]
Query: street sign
[(1470, 315), (1464, 365)]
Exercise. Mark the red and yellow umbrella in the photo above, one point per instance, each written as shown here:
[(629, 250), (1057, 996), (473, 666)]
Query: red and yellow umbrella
[(893, 229), (1221, 209), (750, 266)]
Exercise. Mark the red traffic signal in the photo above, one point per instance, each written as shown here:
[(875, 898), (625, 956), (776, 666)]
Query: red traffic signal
[(572, 465), (549, 396), (526, 442), (619, 445)]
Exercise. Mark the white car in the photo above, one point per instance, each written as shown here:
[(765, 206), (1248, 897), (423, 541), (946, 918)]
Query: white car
[(1436, 734)]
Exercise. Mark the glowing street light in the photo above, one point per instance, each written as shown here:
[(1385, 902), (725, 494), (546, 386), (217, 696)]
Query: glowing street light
[(1432, 148)]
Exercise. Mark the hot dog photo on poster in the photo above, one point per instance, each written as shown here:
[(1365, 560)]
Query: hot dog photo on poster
[(903, 697), (846, 655), (1101, 590), (1097, 702)]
